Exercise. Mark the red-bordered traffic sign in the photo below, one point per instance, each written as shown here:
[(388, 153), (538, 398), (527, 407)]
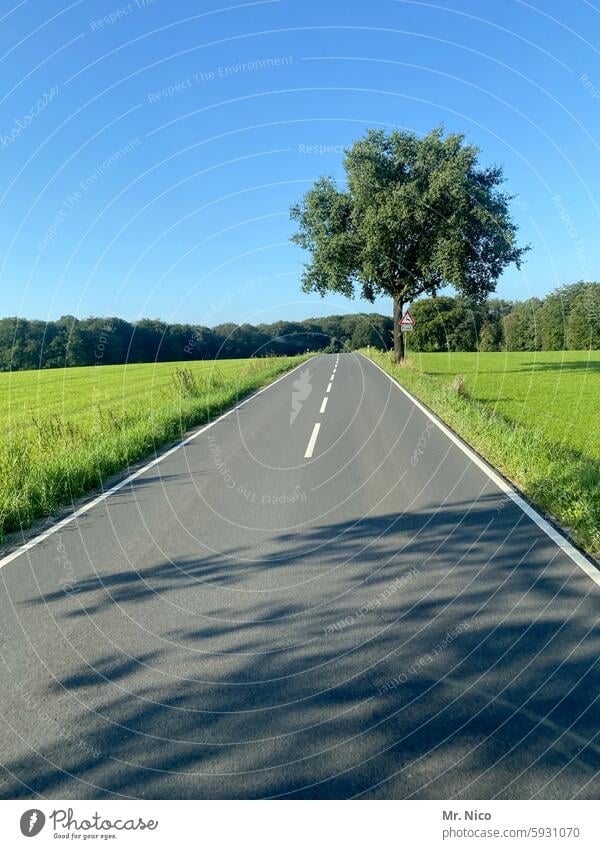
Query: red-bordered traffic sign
[(407, 322)]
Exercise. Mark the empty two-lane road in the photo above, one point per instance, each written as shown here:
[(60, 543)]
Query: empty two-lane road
[(319, 596)]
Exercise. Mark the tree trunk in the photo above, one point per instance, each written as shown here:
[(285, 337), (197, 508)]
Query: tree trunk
[(398, 334)]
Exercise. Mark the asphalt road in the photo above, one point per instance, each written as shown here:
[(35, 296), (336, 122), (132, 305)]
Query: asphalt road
[(280, 610)]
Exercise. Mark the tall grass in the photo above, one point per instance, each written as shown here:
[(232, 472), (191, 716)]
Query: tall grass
[(563, 481), (49, 457)]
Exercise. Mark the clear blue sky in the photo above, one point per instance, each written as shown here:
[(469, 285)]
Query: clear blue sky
[(151, 150)]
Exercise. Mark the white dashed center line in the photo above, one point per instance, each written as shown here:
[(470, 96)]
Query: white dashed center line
[(312, 441), (315, 432)]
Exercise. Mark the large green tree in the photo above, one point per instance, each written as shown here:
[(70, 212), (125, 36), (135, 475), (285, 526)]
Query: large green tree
[(418, 214)]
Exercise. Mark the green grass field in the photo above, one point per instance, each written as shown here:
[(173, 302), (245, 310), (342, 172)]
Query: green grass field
[(533, 415), (65, 430)]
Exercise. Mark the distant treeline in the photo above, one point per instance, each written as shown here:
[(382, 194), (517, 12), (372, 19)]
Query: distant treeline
[(26, 344), (568, 318)]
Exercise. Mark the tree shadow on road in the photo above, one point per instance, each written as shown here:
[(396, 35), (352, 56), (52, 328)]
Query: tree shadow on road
[(439, 654)]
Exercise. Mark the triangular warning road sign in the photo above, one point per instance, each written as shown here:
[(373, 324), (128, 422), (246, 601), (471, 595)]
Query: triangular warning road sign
[(407, 320)]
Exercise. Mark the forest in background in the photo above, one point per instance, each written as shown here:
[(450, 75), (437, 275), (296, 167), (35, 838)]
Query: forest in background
[(566, 319)]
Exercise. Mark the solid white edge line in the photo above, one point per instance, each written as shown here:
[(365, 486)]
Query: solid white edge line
[(329, 388), (562, 542), (324, 404), (22, 549), (312, 441)]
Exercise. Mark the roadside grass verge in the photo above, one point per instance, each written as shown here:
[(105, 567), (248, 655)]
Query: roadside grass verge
[(64, 431), (533, 450)]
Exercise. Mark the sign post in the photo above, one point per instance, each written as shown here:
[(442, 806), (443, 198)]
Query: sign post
[(407, 322)]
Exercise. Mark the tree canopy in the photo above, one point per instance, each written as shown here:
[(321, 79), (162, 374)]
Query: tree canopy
[(417, 214)]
